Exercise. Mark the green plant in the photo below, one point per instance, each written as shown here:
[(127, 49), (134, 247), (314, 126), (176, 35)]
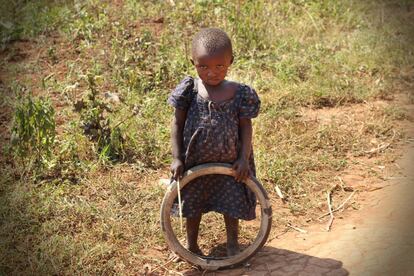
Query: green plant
[(27, 19), (96, 124), (33, 130)]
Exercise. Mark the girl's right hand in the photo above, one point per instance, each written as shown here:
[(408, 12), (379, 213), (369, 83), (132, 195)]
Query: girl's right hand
[(177, 169)]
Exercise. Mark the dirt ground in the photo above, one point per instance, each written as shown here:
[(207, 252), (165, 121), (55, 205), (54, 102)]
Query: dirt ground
[(377, 240)]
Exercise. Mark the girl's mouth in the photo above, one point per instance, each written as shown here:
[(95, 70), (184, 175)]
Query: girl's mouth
[(214, 80)]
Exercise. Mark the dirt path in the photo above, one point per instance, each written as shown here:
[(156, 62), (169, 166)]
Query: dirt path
[(377, 240)]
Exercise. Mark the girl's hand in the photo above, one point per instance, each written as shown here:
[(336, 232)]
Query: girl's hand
[(177, 169), (242, 169)]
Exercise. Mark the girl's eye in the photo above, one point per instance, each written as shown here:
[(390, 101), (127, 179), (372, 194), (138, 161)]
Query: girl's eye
[(202, 67)]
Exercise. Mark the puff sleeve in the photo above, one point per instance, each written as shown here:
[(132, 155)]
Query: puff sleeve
[(249, 104), (181, 96)]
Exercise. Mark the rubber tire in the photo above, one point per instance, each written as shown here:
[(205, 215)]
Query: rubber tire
[(215, 263)]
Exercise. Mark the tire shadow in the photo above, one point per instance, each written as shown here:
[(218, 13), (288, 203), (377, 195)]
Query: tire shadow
[(272, 261)]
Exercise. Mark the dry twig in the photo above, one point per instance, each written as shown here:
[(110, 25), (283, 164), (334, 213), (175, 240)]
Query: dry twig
[(279, 193), (276, 236), (380, 148), (169, 270), (297, 228), (180, 207), (339, 207), (161, 266), (342, 183), (328, 227)]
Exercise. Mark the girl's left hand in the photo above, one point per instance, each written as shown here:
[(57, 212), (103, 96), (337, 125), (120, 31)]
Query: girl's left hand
[(241, 168)]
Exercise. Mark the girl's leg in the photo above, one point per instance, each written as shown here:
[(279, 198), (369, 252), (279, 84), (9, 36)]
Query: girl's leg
[(192, 226), (232, 231)]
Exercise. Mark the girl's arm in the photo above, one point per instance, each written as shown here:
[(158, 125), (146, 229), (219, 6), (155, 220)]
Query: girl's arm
[(241, 165), (177, 126)]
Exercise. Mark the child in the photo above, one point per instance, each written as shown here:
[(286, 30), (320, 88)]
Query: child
[(212, 123)]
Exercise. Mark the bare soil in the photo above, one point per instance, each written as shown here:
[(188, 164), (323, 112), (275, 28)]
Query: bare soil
[(375, 240)]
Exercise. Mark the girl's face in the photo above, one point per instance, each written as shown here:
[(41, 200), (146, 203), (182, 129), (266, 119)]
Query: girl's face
[(212, 68)]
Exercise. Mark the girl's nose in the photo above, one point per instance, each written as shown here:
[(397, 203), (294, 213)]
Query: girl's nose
[(210, 73)]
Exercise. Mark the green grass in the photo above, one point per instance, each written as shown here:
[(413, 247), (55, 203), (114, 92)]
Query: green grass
[(91, 212)]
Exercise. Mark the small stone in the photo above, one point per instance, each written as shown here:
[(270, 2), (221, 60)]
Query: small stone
[(112, 97)]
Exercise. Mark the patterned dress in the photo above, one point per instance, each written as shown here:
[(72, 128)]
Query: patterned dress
[(211, 134)]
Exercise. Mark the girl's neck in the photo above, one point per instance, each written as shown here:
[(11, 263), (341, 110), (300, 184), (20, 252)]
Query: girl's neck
[(214, 87), (224, 91)]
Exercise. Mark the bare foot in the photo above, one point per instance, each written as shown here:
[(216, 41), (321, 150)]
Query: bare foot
[(196, 250), (233, 249)]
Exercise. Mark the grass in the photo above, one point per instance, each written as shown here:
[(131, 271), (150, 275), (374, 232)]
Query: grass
[(326, 72)]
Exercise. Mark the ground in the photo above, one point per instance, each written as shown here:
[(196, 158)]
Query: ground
[(376, 240), (336, 80)]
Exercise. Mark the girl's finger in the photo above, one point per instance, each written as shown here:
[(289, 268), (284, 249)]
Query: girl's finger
[(247, 174), (235, 169), (239, 174), (244, 175)]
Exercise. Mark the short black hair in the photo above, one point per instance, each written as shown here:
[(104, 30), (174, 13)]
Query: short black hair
[(212, 40)]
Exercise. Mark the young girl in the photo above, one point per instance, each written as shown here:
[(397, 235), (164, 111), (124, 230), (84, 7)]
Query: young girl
[(212, 123)]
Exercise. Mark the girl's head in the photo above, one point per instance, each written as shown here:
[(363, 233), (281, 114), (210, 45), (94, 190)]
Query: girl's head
[(212, 55)]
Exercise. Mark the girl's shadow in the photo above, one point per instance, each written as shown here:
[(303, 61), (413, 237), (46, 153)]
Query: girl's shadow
[(274, 261)]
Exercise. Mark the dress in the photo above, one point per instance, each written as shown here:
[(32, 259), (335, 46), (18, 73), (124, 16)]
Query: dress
[(211, 134)]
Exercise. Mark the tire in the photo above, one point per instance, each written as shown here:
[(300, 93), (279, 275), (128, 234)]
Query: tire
[(209, 263)]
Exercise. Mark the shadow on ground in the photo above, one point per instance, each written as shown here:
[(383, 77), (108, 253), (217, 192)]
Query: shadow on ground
[(273, 261)]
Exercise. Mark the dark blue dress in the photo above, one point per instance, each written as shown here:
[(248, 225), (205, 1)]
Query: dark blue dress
[(211, 134)]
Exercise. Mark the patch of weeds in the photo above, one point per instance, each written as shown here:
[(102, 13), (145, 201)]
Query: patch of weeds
[(69, 165), (27, 19), (396, 113), (249, 33), (90, 18), (96, 124), (33, 131), (277, 110)]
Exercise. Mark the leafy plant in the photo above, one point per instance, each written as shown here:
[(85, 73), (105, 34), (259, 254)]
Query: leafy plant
[(96, 124), (33, 131)]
